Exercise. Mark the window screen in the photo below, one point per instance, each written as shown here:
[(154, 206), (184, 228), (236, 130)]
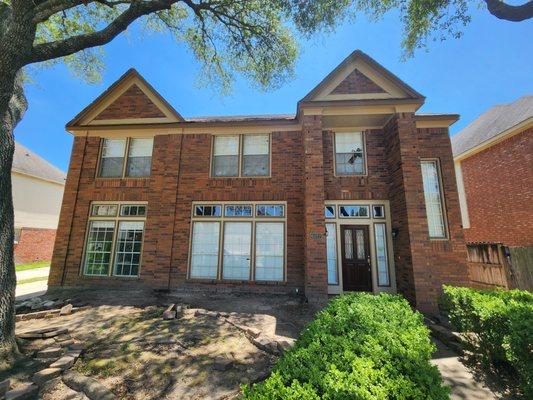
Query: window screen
[(112, 159), (139, 157), (256, 159), (349, 153), (226, 156)]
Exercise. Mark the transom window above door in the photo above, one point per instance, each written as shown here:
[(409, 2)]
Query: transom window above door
[(349, 153), (241, 156)]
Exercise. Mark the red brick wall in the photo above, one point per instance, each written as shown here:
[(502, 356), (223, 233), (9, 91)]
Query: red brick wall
[(176, 181), (422, 265), (355, 83), (133, 103), (498, 183), (302, 175), (34, 245), (316, 279)]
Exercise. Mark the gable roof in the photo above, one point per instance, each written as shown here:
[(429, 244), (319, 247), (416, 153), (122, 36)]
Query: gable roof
[(349, 65), (27, 162), (492, 123), (130, 79)]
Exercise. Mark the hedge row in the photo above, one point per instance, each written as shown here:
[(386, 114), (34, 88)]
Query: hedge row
[(361, 346), (500, 327)]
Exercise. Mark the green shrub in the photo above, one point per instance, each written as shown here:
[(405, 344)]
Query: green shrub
[(360, 346), (499, 326)]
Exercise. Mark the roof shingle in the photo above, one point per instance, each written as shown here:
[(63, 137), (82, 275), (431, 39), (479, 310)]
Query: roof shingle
[(491, 123), (27, 162)]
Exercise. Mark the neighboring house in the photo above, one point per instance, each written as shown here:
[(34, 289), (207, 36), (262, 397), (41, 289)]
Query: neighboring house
[(37, 192), (494, 165), (354, 192)]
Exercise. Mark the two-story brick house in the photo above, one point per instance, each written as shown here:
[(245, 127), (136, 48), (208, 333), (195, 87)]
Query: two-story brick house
[(354, 192)]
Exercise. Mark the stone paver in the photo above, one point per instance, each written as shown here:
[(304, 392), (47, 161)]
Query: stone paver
[(457, 377), (25, 392)]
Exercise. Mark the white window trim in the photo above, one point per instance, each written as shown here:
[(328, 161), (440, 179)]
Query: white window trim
[(116, 219), (222, 219), (125, 158), (240, 157)]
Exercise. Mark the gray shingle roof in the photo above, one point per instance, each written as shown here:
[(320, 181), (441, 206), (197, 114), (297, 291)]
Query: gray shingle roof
[(491, 123), (27, 162)]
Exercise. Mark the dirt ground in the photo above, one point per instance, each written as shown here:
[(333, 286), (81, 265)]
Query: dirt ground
[(136, 354)]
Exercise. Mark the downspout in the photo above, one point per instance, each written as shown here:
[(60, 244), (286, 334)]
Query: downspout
[(64, 271), (174, 213)]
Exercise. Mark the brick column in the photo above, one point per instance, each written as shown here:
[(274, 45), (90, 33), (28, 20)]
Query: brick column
[(408, 212), (316, 284), (66, 215)]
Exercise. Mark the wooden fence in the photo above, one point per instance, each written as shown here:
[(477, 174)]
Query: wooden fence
[(494, 265)]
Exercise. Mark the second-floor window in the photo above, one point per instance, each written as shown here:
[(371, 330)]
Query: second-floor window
[(127, 157), (241, 155), (349, 153)]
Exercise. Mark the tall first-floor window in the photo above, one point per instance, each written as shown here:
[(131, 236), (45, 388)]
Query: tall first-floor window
[(433, 199), (331, 254), (238, 242), (114, 240), (380, 240)]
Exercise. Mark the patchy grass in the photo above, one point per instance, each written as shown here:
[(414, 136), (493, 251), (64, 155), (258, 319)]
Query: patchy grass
[(35, 265), (31, 280)]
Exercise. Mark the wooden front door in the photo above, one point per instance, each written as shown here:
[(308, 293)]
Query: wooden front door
[(356, 272)]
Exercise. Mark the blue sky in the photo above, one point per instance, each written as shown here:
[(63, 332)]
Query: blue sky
[(491, 64)]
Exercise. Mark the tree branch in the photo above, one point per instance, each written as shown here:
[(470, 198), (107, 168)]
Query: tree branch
[(62, 48), (508, 12)]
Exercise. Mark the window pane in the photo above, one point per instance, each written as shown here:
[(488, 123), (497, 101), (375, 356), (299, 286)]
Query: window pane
[(348, 244), (433, 199), (256, 157), (270, 210), (237, 247), (349, 153), (133, 210), (112, 158), (226, 156), (208, 211), (381, 254), (238, 211), (104, 210), (329, 211), (98, 249), (128, 248), (269, 251), (360, 244), (331, 254), (139, 157), (17, 233), (353, 211), (204, 252), (379, 211)]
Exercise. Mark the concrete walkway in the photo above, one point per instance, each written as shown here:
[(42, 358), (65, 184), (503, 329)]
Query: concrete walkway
[(458, 377), (32, 289)]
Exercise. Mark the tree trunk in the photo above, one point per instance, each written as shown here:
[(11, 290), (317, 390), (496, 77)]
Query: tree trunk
[(10, 114)]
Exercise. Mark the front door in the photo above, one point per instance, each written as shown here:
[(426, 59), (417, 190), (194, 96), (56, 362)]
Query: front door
[(356, 273)]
